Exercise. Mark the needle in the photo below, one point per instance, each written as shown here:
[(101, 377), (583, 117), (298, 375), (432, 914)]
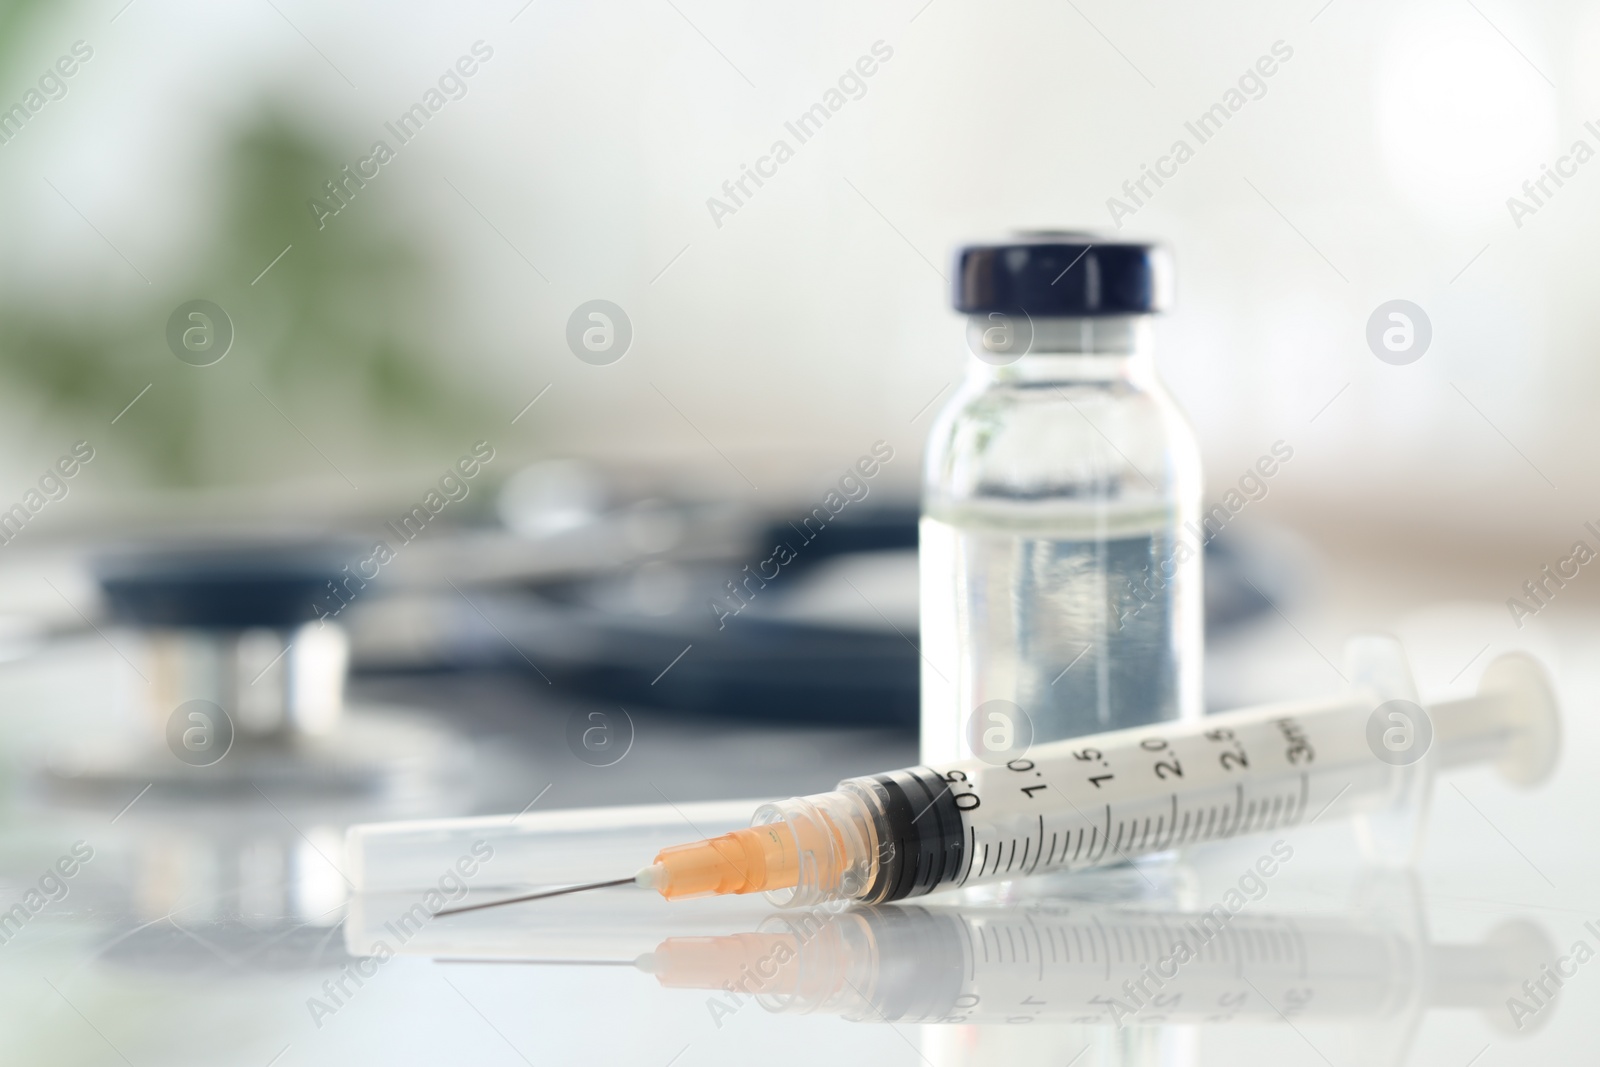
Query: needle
[(539, 963), (534, 896)]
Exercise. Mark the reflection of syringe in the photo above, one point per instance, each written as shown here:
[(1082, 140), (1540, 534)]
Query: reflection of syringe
[(1109, 797), (1023, 965)]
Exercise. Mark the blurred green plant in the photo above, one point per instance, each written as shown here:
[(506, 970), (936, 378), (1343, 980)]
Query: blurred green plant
[(328, 343), (328, 334)]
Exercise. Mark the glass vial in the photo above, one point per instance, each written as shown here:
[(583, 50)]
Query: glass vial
[(1059, 596)]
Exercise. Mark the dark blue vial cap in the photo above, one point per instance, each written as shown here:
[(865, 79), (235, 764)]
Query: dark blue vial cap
[(1067, 274)]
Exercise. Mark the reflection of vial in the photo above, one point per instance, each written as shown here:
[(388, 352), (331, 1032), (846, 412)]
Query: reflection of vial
[(1060, 543)]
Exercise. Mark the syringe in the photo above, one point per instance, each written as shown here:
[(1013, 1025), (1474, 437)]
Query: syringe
[(1107, 798)]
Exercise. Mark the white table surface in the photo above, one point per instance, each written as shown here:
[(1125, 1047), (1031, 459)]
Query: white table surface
[(200, 933)]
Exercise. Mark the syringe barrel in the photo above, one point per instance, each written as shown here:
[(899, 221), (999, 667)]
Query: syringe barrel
[(1108, 798)]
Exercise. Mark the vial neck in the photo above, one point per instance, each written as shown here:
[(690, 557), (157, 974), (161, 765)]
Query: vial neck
[(1057, 349)]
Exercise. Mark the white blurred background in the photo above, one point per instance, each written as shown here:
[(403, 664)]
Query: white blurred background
[(1376, 166)]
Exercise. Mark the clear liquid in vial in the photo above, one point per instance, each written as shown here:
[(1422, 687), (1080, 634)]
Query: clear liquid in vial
[(1084, 617)]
